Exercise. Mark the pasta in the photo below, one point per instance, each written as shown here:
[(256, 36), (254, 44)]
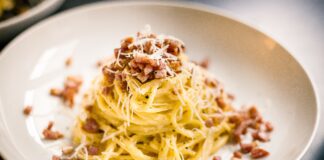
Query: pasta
[(152, 103)]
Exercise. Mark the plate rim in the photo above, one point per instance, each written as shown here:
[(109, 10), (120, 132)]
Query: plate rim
[(183, 4)]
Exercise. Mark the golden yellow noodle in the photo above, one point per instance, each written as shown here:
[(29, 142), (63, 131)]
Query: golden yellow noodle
[(160, 119)]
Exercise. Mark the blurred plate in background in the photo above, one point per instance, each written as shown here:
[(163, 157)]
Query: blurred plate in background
[(12, 26)]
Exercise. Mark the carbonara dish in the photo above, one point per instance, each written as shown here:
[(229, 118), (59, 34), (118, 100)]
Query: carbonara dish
[(151, 103)]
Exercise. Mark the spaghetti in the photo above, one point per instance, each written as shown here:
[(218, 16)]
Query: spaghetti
[(151, 103)]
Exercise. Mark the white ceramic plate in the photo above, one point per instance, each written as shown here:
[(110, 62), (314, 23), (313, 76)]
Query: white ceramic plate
[(252, 65)]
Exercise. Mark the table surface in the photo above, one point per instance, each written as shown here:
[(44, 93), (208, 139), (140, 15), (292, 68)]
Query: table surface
[(297, 25)]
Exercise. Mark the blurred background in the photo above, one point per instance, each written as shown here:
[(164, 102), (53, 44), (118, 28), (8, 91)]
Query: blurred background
[(297, 24)]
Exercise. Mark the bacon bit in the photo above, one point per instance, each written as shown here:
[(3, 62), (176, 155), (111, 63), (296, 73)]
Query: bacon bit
[(108, 74), (209, 122), (174, 47), (107, 90), (120, 77), (259, 119), (160, 74), (237, 154), (89, 108), (143, 78), (268, 126), (176, 65), (147, 47), (91, 126), (255, 125), (129, 40), (67, 150), (211, 83), (68, 62), (50, 125), (56, 92), (259, 153), (27, 110), (260, 136), (253, 112), (92, 150), (125, 43), (56, 158), (116, 52), (221, 102), (71, 87), (124, 86), (144, 59), (247, 147), (231, 96), (73, 82), (148, 69), (236, 119), (217, 158), (240, 129), (143, 67), (204, 63), (68, 96), (99, 64), (51, 135)]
